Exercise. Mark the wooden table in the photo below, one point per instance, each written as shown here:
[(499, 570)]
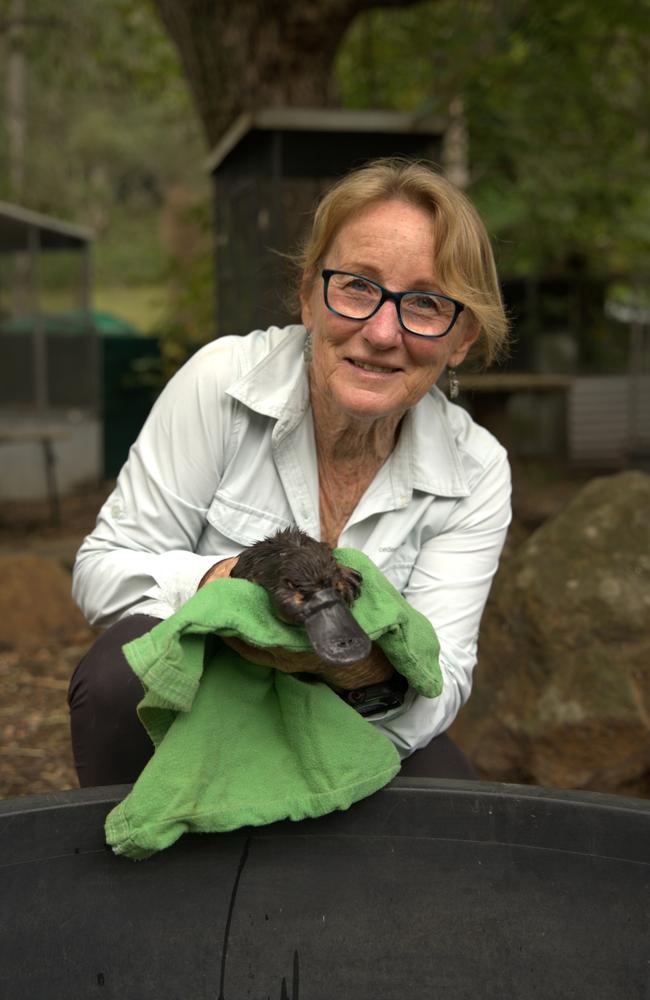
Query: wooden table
[(489, 393)]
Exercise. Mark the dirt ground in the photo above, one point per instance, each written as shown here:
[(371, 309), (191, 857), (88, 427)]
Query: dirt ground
[(35, 751)]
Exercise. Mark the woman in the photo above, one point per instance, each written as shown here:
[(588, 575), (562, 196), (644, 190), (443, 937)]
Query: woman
[(335, 425)]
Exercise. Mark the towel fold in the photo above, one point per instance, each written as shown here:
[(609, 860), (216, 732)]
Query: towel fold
[(237, 744)]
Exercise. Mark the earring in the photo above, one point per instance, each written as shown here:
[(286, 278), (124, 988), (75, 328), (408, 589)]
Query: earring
[(308, 351), (454, 384)]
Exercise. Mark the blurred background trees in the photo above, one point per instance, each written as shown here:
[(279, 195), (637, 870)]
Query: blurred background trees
[(556, 104), (110, 138), (112, 106)]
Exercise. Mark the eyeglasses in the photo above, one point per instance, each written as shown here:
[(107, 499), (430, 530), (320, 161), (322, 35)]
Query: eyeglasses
[(424, 314)]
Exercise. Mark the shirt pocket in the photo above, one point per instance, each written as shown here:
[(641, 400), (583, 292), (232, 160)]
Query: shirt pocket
[(240, 523), (397, 565)]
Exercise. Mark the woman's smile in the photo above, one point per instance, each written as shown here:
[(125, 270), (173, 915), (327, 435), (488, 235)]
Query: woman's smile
[(367, 368)]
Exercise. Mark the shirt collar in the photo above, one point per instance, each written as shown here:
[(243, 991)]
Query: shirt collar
[(277, 386), (426, 458)]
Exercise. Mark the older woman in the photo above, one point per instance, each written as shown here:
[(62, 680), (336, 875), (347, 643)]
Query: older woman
[(336, 426)]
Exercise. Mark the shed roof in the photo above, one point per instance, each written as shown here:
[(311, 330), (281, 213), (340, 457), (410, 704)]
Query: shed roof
[(54, 234), (320, 120)]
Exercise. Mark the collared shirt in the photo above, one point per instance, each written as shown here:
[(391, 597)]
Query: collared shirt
[(227, 457)]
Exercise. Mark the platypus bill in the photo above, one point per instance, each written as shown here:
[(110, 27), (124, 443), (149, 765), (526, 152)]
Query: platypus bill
[(308, 587)]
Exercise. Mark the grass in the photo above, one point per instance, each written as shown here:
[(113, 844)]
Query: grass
[(145, 306)]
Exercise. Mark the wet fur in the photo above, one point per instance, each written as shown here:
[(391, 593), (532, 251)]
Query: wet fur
[(292, 567)]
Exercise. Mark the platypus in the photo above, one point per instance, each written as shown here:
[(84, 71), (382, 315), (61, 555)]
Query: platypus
[(308, 587)]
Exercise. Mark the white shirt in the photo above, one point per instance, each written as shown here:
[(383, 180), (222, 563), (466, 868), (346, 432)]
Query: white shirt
[(227, 457)]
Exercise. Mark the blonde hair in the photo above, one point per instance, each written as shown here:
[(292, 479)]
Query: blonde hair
[(461, 249)]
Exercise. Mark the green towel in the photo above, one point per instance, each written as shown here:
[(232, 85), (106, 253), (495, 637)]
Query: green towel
[(237, 744)]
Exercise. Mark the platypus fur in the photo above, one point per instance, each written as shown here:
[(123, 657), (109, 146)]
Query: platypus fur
[(308, 587)]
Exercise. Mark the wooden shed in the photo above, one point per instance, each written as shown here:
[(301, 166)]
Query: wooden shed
[(269, 171)]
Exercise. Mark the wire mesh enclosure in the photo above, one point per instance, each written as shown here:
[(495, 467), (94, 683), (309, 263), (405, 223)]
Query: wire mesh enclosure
[(49, 356), (50, 387)]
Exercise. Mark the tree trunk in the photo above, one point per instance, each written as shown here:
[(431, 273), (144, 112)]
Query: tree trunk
[(16, 99), (258, 53), (455, 146)]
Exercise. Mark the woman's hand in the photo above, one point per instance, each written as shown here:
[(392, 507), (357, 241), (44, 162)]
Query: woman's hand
[(289, 661), (374, 669)]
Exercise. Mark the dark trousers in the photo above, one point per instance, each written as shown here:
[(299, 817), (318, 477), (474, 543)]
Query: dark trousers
[(110, 745)]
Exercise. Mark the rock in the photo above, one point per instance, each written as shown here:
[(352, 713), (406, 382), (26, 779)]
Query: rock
[(36, 608), (562, 688)]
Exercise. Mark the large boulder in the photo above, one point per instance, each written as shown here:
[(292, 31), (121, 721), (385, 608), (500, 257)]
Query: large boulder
[(562, 688), (36, 609)]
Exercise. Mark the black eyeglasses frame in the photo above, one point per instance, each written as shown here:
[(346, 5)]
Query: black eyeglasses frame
[(395, 298)]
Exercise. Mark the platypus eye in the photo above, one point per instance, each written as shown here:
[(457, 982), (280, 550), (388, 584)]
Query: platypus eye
[(292, 586)]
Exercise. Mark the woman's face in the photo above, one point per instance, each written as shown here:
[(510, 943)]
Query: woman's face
[(390, 242)]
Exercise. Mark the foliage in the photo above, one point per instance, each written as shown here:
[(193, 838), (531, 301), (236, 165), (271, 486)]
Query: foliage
[(109, 129), (556, 103), (557, 106)]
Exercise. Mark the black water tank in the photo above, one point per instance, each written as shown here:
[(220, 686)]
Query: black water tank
[(428, 889)]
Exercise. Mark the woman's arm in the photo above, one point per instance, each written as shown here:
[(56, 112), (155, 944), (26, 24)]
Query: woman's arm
[(141, 554), (449, 584)]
